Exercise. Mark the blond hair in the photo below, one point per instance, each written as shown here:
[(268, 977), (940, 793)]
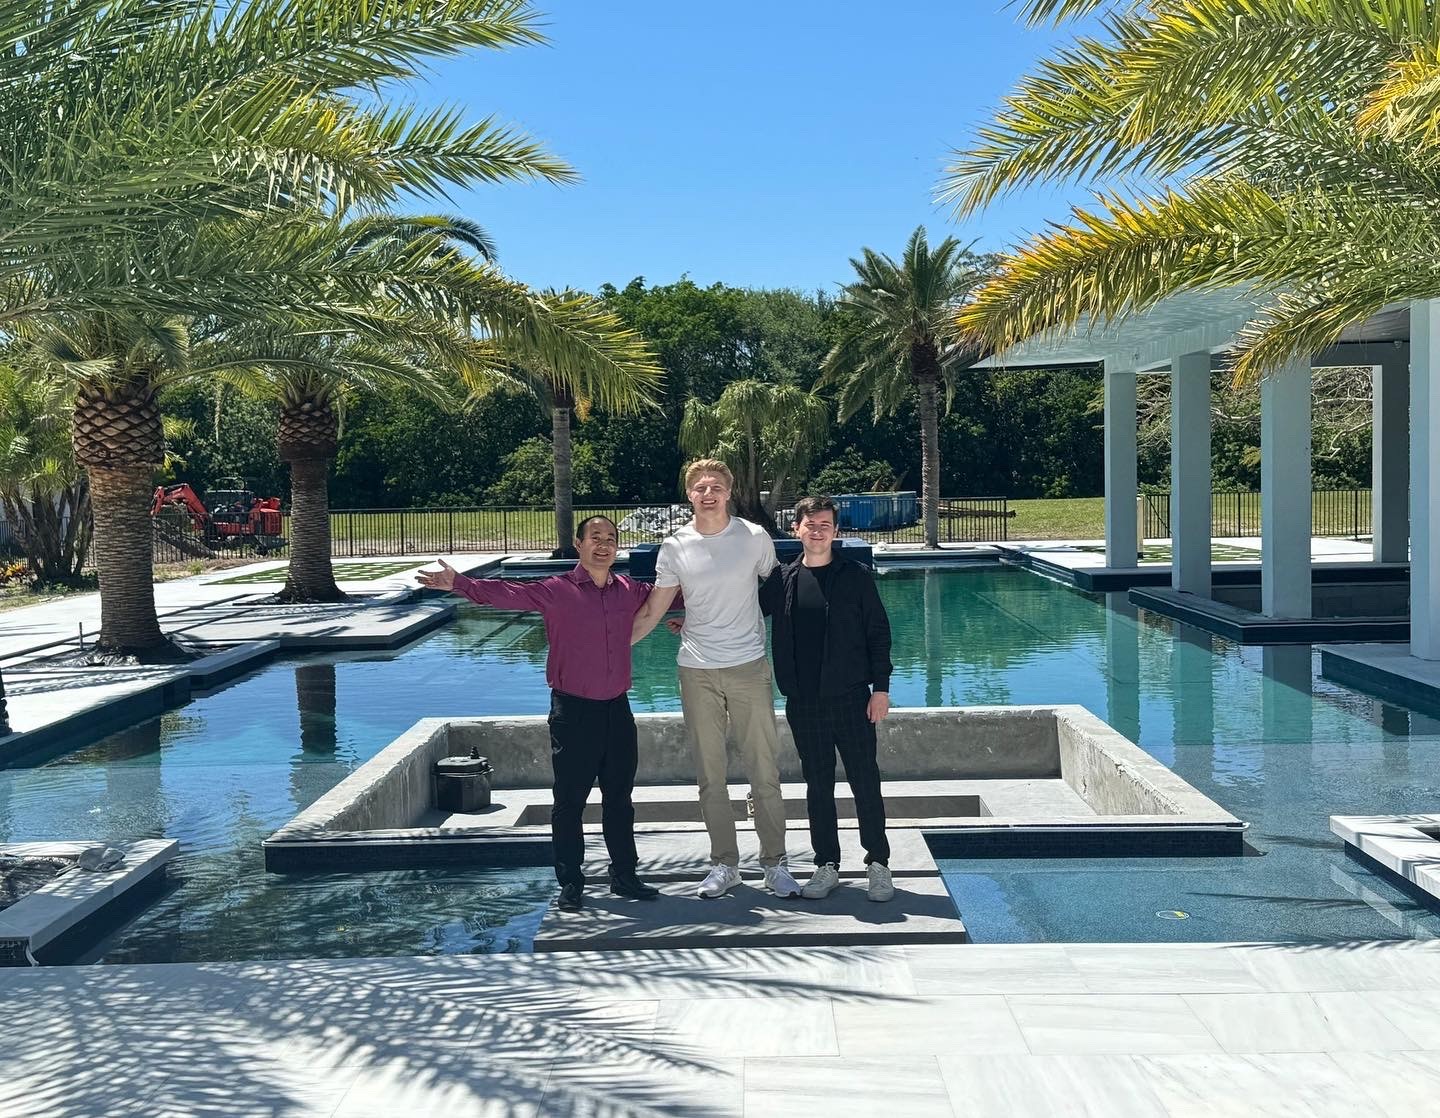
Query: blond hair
[(702, 466)]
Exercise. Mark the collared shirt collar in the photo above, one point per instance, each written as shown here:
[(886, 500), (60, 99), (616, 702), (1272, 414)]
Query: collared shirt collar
[(580, 576)]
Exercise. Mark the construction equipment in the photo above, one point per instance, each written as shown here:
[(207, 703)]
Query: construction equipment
[(230, 517)]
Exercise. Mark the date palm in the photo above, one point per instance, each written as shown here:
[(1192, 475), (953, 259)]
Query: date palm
[(902, 339), (1288, 147), (150, 136), (767, 434), (620, 387), (464, 334)]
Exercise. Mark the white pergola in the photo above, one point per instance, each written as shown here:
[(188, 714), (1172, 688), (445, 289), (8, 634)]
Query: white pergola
[(1184, 337)]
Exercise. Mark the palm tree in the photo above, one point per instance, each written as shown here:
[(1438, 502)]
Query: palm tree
[(767, 433), (902, 338), (1297, 144), (404, 344), (620, 387), (250, 110)]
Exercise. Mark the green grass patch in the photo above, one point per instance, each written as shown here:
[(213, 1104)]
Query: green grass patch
[(1064, 518)]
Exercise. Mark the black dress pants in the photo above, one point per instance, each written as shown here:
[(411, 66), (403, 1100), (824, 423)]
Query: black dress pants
[(590, 739), (822, 726)]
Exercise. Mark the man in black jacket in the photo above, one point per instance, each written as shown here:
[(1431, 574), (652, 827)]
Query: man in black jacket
[(830, 641)]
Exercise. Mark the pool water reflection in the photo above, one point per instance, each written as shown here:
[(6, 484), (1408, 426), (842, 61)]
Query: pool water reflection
[(1253, 729)]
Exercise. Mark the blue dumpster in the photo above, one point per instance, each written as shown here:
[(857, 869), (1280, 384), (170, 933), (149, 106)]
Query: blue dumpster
[(877, 512)]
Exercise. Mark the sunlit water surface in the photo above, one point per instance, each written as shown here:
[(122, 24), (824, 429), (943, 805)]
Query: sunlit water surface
[(1253, 729)]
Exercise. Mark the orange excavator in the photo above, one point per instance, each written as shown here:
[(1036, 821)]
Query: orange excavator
[(229, 517)]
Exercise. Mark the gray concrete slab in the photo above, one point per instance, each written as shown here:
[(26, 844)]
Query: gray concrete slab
[(1387, 670), (749, 916), (38, 919)]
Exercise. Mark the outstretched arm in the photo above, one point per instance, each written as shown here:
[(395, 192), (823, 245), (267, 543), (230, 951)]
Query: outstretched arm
[(652, 611), (503, 593)]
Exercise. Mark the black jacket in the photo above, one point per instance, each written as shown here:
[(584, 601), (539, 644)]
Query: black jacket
[(857, 630)]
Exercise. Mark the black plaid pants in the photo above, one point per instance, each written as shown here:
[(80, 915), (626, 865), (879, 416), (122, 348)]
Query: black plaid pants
[(821, 727)]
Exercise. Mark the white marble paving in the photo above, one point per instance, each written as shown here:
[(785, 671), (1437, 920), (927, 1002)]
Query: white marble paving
[(997, 969), (955, 1030), (1402, 1084), (1296, 1022), (1416, 1014), (1148, 968), (750, 1026), (846, 1088), (930, 1026), (997, 1086), (1118, 1023), (1276, 1086)]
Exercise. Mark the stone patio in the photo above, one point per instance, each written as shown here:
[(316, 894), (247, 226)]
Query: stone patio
[(1006, 1031)]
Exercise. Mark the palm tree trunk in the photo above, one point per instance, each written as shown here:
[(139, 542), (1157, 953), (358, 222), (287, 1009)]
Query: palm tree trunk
[(311, 577), (124, 556), (929, 390), (564, 483)]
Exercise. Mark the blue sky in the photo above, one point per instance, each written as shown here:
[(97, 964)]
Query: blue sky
[(758, 144)]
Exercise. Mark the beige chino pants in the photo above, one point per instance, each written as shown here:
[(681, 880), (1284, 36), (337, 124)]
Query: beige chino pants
[(741, 696)]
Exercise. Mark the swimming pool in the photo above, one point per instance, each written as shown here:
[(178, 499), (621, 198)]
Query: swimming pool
[(1251, 728)]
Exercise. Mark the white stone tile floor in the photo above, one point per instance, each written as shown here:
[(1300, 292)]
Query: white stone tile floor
[(951, 1030)]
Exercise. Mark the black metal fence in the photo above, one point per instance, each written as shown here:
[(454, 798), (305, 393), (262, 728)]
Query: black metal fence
[(363, 532), (1340, 513), (358, 533)]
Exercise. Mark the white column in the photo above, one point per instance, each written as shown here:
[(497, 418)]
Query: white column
[(1424, 479), (1390, 460), (1190, 473), (1121, 487), (1285, 488)]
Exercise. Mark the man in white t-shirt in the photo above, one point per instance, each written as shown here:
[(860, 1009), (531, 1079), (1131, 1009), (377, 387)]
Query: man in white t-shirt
[(718, 561)]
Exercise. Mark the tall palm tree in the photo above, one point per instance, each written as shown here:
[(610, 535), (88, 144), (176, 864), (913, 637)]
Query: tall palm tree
[(472, 327), (251, 109), (767, 433), (1296, 144), (902, 339), (621, 388)]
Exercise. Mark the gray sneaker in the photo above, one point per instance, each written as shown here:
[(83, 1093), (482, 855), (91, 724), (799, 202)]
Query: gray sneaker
[(779, 882), (822, 882), (881, 887), (719, 881)]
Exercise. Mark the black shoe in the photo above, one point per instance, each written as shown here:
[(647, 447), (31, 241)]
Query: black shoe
[(628, 885), (572, 898)]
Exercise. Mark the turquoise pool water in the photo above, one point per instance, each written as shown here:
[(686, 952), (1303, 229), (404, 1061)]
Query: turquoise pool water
[(1253, 729)]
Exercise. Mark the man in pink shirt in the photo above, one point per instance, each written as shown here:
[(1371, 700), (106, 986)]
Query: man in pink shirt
[(588, 613)]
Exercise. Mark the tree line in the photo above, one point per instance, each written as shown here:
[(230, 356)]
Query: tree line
[(1014, 432)]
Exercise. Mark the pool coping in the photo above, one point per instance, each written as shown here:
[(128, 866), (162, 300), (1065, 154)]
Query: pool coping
[(42, 926), (400, 774), (1404, 848), (1245, 626)]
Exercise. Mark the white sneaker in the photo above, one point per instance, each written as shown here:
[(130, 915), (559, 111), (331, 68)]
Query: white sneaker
[(881, 888), (779, 882), (719, 881), (822, 881)]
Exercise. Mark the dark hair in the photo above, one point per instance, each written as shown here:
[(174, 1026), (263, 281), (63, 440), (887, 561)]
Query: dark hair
[(580, 528), (809, 506)]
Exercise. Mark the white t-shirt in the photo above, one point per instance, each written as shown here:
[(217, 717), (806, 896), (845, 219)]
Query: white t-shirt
[(718, 576)]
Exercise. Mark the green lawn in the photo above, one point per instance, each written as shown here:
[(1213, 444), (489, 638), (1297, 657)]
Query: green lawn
[(364, 534), (1068, 518), (344, 572)]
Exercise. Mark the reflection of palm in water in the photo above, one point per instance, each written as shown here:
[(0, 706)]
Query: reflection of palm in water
[(310, 777)]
